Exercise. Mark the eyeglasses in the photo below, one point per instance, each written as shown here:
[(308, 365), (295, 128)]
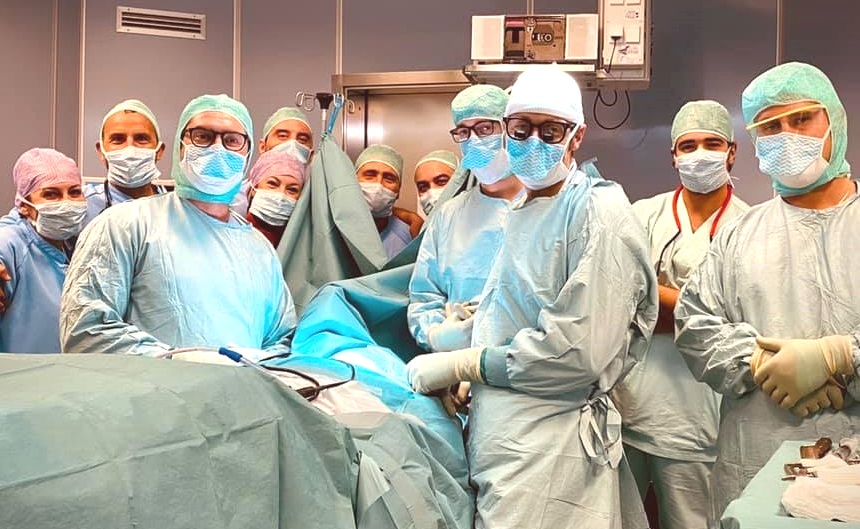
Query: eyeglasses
[(797, 120), (481, 129), (549, 131), (232, 141)]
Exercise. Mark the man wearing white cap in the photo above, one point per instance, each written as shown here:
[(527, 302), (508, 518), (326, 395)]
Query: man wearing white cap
[(568, 309), (130, 146)]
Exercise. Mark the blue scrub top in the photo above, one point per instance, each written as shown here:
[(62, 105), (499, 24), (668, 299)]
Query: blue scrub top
[(31, 322), (395, 237)]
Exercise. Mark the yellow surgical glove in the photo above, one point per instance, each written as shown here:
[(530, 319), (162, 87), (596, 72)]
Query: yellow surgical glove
[(801, 366), (827, 396)]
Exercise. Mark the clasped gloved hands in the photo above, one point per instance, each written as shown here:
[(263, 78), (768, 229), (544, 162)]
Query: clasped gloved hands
[(797, 373), (435, 371), (453, 333), (455, 399)]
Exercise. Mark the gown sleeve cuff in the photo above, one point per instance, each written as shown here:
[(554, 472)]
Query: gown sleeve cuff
[(494, 366)]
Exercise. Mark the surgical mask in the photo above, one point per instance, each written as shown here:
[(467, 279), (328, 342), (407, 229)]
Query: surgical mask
[(486, 158), (59, 220), (213, 170), (272, 207), (703, 171), (296, 149), (429, 199), (793, 161), (538, 164), (379, 198), (131, 166)]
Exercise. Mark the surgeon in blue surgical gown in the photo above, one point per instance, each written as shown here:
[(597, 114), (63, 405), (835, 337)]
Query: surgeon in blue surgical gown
[(771, 319), (568, 308), (181, 269)]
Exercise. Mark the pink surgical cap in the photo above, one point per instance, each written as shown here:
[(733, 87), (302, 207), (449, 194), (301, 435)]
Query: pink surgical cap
[(276, 162), (38, 168)]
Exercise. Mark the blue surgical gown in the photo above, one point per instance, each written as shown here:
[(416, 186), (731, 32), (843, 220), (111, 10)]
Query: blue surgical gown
[(568, 308), (395, 237), (156, 273), (459, 244), (30, 324), (778, 271)]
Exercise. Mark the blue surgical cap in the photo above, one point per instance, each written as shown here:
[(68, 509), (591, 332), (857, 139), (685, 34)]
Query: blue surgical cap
[(442, 156), (283, 114), (383, 154), (206, 103), (794, 82), (703, 116), (479, 101)]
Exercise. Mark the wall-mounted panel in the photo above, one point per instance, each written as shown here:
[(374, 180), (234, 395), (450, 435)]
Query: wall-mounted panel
[(285, 49), (25, 93), (163, 72), (398, 35)]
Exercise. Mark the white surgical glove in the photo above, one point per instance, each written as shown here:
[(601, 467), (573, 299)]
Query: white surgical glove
[(429, 372), (801, 366), (452, 334)]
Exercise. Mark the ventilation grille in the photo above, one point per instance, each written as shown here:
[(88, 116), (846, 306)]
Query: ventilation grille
[(162, 23)]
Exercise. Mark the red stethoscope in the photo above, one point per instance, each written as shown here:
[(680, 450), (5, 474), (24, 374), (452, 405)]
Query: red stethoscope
[(675, 198)]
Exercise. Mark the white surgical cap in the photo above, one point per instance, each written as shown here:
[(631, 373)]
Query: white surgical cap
[(133, 105), (545, 89)]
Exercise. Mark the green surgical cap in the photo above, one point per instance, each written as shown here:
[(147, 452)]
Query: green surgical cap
[(207, 103), (479, 101), (283, 114), (381, 153), (703, 116), (133, 105), (794, 82), (446, 157)]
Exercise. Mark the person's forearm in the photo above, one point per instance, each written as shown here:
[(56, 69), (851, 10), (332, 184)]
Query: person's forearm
[(666, 317)]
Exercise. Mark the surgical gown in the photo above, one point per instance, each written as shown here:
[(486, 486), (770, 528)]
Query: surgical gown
[(30, 325), (395, 236), (779, 271), (458, 248), (568, 308), (156, 273), (666, 412)]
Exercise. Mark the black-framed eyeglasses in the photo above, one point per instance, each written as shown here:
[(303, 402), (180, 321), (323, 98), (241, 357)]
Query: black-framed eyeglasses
[(203, 137), (549, 131), (482, 129)]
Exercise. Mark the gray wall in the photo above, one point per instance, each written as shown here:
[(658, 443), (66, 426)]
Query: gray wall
[(701, 50)]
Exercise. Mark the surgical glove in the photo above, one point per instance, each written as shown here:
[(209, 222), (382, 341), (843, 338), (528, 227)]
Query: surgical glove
[(801, 366), (827, 396), (433, 371), (452, 334), (759, 357)]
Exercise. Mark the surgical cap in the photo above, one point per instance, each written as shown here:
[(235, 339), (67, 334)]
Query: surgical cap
[(38, 168), (794, 82), (479, 101), (276, 162), (446, 157), (545, 89), (703, 116), (283, 114), (198, 105), (383, 154), (133, 105)]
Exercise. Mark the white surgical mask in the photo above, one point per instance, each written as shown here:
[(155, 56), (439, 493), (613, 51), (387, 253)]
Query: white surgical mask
[(272, 207), (300, 152), (792, 161), (379, 198), (59, 220), (213, 170), (702, 170), (131, 166), (429, 198)]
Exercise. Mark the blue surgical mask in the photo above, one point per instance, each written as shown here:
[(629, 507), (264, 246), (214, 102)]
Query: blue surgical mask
[(214, 171), (703, 171), (794, 162), (486, 158), (538, 164), (296, 149)]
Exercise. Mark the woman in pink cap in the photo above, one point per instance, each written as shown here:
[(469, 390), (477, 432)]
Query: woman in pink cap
[(35, 249), (277, 179)]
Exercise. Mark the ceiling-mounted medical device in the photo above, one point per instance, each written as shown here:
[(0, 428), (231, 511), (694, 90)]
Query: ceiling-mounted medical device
[(607, 49)]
